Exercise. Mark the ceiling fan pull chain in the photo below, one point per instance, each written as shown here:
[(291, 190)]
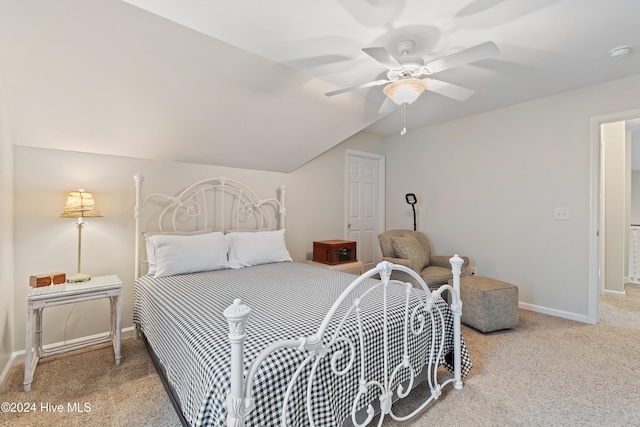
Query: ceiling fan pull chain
[(403, 118)]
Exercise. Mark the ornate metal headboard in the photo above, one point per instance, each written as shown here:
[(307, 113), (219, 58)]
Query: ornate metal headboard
[(219, 204)]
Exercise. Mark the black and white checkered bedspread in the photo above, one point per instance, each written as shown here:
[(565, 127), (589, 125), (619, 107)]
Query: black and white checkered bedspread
[(181, 317)]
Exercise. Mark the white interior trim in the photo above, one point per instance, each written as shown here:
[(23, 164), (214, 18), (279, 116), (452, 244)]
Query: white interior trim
[(553, 312), (5, 372), (616, 294)]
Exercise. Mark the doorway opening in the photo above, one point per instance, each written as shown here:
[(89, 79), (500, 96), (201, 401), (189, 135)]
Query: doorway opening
[(597, 235)]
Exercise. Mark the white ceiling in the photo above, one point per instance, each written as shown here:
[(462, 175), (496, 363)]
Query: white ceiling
[(242, 83), (548, 46)]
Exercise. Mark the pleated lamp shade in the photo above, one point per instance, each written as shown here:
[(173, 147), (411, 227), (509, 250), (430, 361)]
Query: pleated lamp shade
[(80, 204)]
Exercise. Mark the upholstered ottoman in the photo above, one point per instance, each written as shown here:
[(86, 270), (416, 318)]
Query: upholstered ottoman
[(488, 304)]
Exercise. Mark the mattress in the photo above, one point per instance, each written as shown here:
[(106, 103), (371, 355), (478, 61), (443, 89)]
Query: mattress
[(181, 318)]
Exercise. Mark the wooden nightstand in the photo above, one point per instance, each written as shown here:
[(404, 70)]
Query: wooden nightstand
[(355, 267), (68, 293)]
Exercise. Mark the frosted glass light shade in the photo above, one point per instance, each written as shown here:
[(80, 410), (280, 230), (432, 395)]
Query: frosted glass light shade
[(405, 91)]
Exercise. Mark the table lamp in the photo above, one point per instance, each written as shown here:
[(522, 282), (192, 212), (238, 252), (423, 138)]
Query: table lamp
[(80, 205)]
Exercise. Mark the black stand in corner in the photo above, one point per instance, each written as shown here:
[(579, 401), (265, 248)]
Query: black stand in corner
[(411, 199)]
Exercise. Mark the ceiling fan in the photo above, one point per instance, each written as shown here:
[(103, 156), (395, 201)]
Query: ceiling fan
[(408, 75)]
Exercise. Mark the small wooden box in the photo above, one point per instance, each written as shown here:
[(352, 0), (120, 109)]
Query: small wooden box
[(46, 279), (334, 252)]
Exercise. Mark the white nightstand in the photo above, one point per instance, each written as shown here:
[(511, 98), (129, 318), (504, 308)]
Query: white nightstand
[(68, 293), (355, 267)]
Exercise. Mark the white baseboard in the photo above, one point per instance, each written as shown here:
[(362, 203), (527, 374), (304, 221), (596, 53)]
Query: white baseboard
[(617, 294), (553, 312), (18, 356), (7, 368)]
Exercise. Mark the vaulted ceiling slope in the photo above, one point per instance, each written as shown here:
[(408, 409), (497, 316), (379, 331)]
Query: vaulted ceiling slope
[(242, 83), (106, 77)]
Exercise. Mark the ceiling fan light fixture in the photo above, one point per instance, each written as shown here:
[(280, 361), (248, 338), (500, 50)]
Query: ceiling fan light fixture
[(405, 91)]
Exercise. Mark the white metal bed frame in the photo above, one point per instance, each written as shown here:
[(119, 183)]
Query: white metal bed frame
[(204, 203), (220, 204)]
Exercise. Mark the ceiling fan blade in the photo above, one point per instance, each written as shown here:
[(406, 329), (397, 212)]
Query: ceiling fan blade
[(387, 106), (466, 56), (383, 56), (450, 90), (362, 86)]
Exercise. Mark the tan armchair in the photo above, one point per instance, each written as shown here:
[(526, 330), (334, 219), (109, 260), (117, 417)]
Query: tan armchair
[(413, 249)]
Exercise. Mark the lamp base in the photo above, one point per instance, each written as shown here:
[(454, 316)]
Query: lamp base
[(78, 277)]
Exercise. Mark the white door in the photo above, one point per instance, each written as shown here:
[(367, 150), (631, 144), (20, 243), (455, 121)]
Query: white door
[(365, 205)]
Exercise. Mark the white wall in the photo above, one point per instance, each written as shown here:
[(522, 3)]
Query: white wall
[(635, 197), (615, 226), (6, 237), (634, 216), (487, 186), (318, 182), (628, 145), (44, 242)]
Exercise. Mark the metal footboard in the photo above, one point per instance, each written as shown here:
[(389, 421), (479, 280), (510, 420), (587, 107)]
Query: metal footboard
[(348, 353)]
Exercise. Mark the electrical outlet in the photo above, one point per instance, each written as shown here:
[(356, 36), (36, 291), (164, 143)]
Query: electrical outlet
[(561, 213), (474, 271)]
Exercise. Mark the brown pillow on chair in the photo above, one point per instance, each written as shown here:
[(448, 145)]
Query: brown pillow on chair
[(408, 247)]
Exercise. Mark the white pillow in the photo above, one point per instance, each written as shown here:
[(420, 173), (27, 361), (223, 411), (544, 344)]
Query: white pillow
[(178, 254), (151, 255), (260, 247), (151, 250)]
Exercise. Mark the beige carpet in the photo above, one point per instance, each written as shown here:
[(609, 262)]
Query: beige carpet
[(127, 395), (547, 372)]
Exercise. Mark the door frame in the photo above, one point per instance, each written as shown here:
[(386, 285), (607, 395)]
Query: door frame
[(596, 211), (381, 190)]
